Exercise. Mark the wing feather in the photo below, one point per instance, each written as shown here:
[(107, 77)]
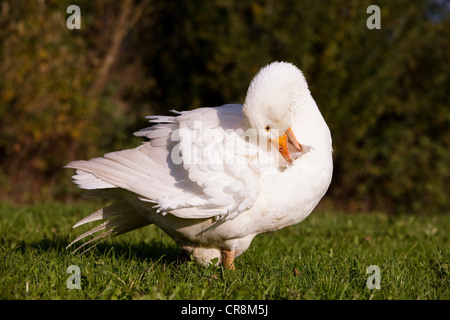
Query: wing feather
[(211, 178)]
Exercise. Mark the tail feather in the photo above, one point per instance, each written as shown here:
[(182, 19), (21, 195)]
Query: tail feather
[(93, 242), (120, 218), (112, 211), (90, 232)]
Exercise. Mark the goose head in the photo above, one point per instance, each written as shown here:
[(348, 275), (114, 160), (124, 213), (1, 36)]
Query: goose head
[(270, 99)]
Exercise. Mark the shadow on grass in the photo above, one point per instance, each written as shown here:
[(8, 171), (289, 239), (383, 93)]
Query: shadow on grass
[(140, 251)]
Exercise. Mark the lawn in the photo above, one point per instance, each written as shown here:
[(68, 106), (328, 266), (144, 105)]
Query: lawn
[(325, 257)]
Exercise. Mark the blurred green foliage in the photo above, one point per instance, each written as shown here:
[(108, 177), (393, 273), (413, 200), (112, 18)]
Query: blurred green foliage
[(71, 94)]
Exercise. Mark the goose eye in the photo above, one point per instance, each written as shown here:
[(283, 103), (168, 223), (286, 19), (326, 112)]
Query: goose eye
[(267, 128)]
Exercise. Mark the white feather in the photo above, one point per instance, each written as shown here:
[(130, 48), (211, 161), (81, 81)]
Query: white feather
[(204, 177)]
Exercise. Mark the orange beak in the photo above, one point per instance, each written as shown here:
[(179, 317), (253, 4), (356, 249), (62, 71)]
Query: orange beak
[(283, 144)]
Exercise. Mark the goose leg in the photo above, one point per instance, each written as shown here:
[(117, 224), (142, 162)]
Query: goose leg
[(228, 259)]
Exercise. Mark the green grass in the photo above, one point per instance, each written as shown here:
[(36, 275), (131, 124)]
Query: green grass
[(324, 257)]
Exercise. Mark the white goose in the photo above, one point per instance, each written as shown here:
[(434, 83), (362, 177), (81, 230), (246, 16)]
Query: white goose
[(212, 178)]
